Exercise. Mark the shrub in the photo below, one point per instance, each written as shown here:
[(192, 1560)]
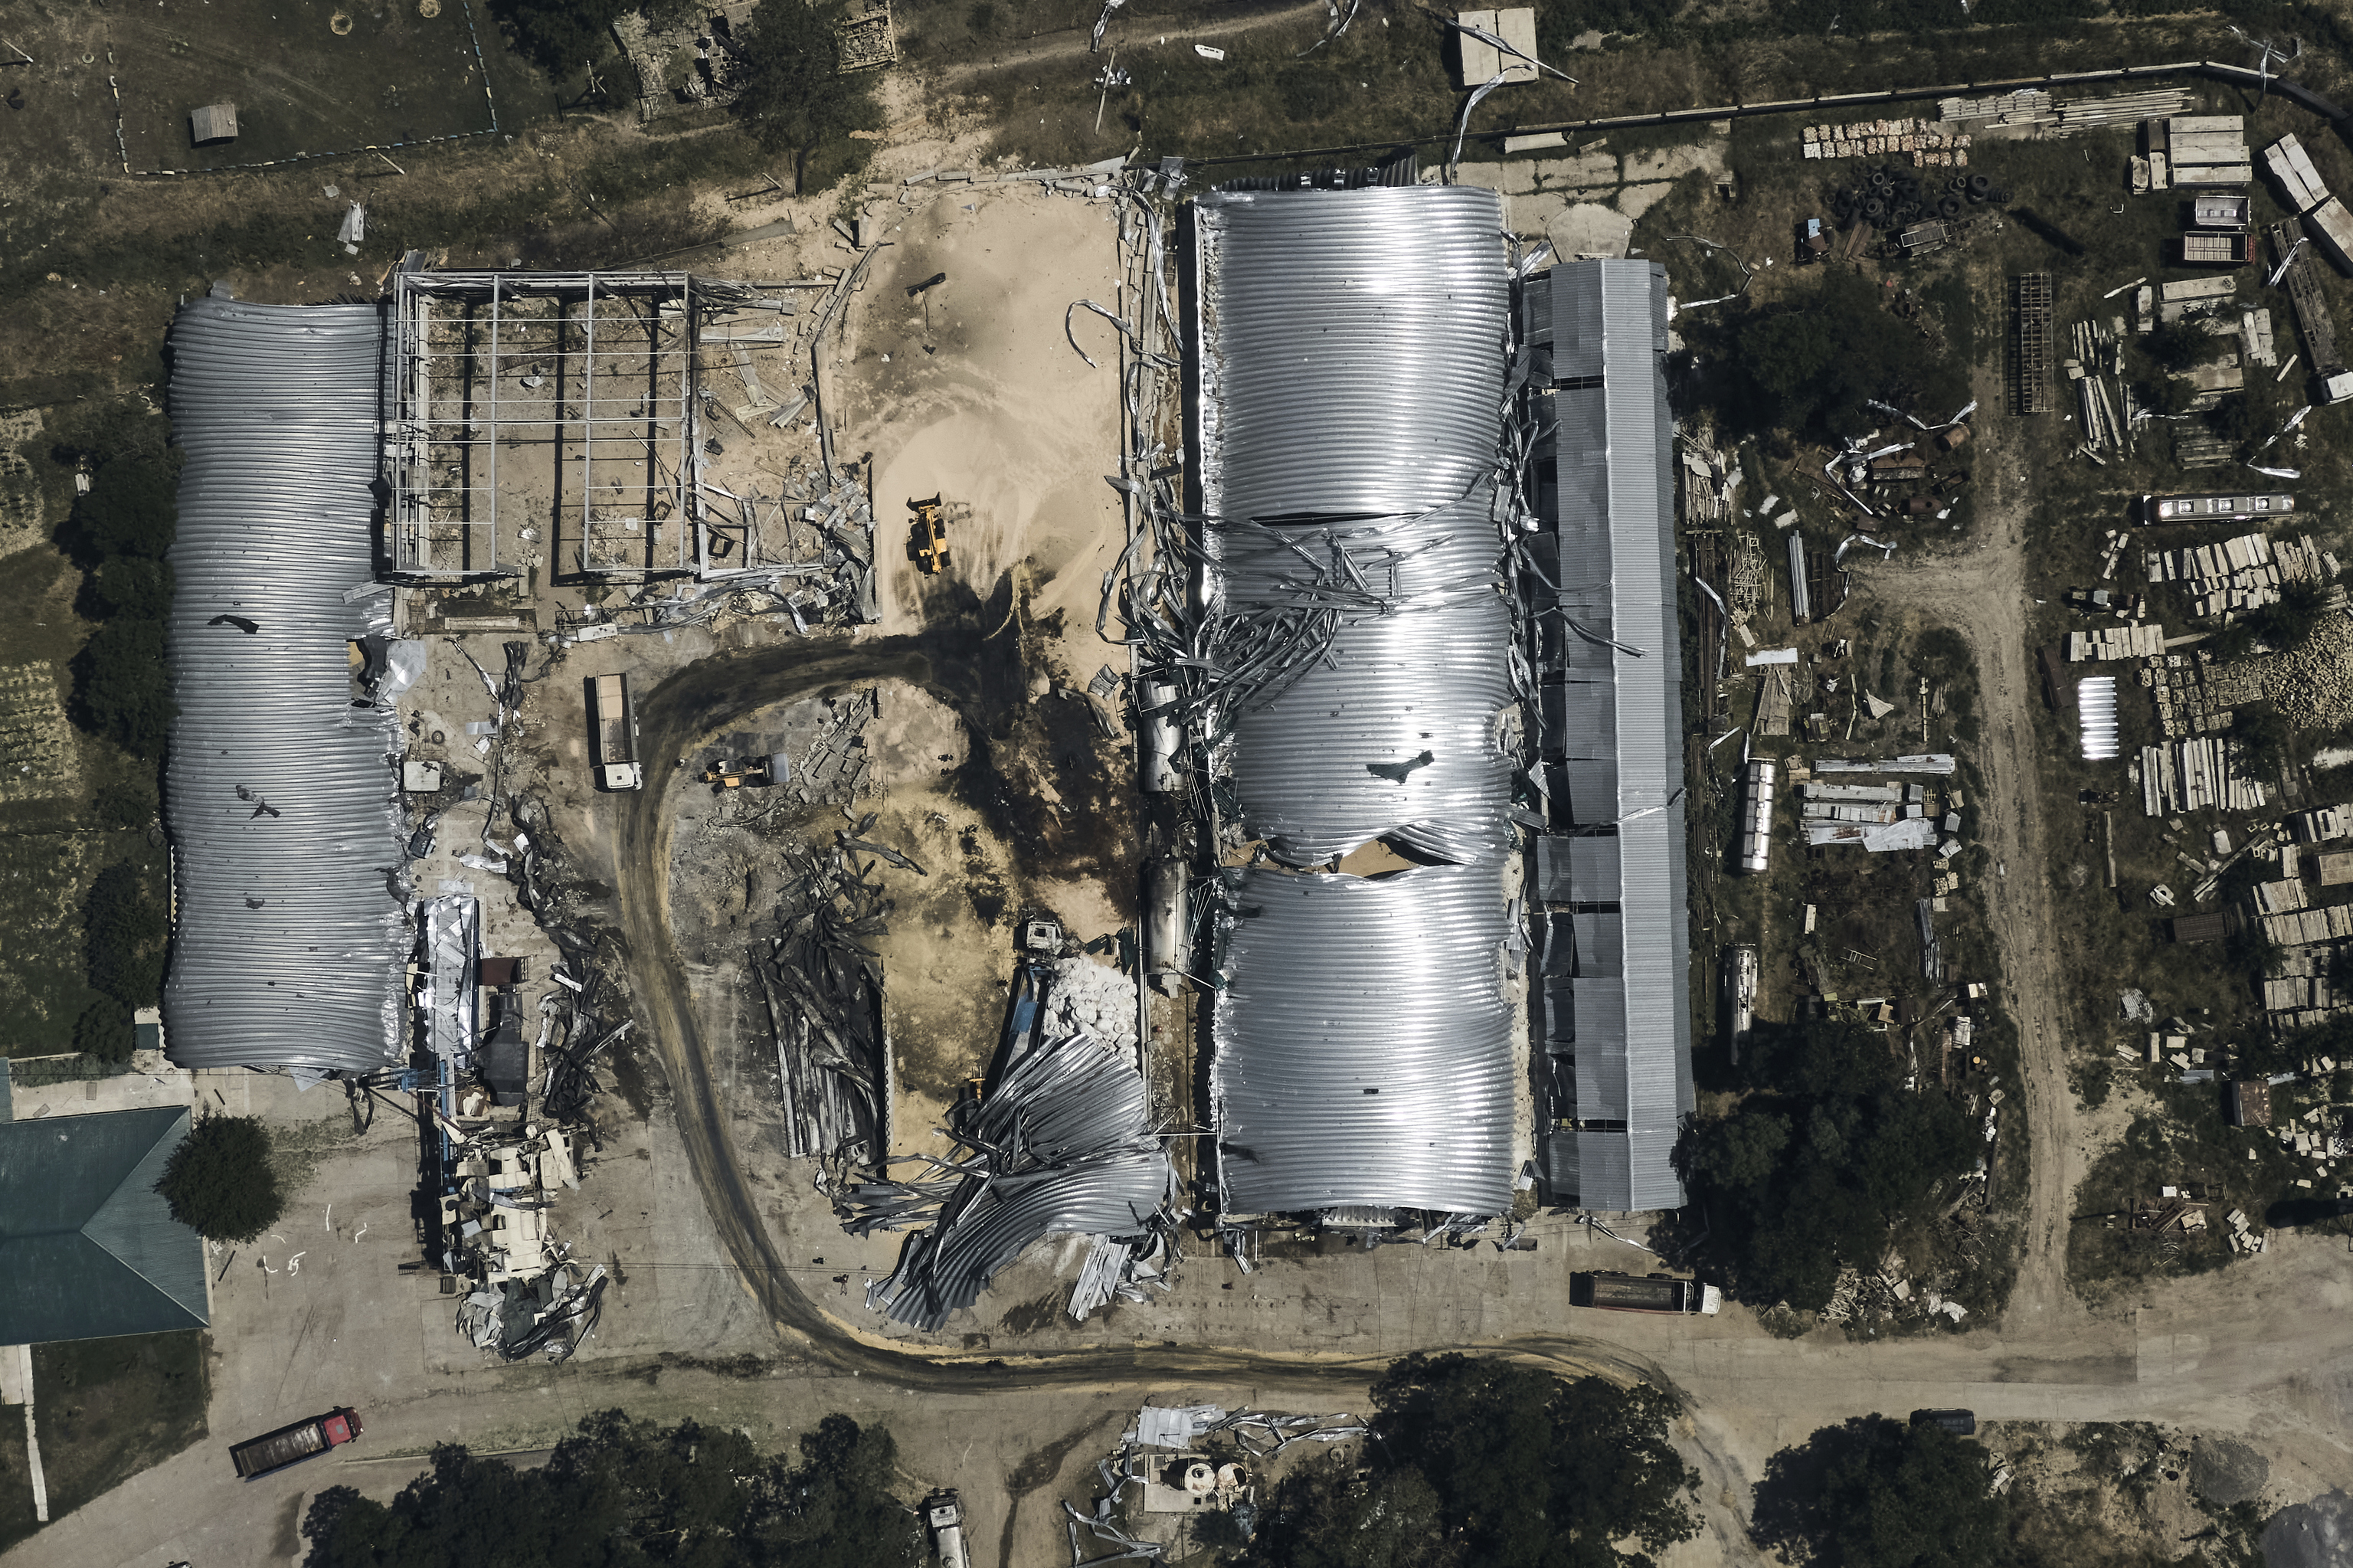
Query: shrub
[(131, 510), (126, 928), (122, 687), (218, 1181), (793, 97)]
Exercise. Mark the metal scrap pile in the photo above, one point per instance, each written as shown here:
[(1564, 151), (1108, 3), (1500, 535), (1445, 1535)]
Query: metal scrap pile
[(823, 988), (835, 769), (522, 1318), (494, 1231), (1061, 1144)]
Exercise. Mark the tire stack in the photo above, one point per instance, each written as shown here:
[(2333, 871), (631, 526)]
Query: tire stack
[(1892, 197)]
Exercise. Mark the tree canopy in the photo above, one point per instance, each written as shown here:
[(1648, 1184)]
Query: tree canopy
[(1874, 1493), (793, 95), (1488, 1462), (132, 509), (1805, 1174), (1812, 362), (623, 1493), (218, 1181)]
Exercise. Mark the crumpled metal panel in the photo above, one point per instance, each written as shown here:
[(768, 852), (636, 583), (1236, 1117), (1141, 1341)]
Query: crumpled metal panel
[(1414, 692), (1351, 383), (1067, 1147), (291, 942), (1365, 1043)]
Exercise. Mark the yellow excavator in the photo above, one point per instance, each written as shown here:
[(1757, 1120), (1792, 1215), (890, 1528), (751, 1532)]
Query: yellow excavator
[(774, 768), (929, 542)]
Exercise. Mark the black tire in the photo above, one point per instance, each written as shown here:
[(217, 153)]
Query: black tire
[(1950, 207), (1910, 190), (1875, 210), (1958, 182), (1979, 185), (1881, 179), (1999, 195), (1975, 197)]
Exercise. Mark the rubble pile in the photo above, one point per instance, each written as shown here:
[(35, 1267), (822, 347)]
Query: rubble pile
[(835, 769), (823, 989), (1061, 1144), (525, 1297), (1088, 998)]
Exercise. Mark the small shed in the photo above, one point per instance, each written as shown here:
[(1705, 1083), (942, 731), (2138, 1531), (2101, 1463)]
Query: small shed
[(2335, 869), (213, 122), (2248, 1103)]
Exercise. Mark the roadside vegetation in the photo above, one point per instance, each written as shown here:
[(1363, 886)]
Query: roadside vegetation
[(1487, 1463), (1826, 1150), (1876, 1493), (622, 1491)]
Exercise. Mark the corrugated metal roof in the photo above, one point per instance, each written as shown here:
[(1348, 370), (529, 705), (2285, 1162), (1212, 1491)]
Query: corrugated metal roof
[(1350, 421), (1613, 453), (290, 941), (1364, 1043)]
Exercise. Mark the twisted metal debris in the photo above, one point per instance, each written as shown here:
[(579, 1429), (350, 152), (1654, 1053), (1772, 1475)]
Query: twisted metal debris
[(1062, 1144), (291, 940)]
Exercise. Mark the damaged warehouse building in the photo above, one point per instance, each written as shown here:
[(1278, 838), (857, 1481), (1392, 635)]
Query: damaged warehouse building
[(1434, 590), (458, 435)]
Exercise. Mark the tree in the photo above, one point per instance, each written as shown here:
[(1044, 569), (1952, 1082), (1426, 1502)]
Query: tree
[(122, 689), (131, 588), (792, 92), (132, 509), (623, 1491), (1813, 362), (2178, 345), (218, 1181), (1325, 1515), (105, 1030), (1872, 1493), (1517, 1467), (1805, 1175), (125, 930)]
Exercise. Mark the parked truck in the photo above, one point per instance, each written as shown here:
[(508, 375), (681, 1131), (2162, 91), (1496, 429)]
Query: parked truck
[(943, 1512), (1656, 1293), (291, 1445), (615, 725)]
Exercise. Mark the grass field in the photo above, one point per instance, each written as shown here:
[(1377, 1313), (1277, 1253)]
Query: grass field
[(107, 1409), (391, 75)]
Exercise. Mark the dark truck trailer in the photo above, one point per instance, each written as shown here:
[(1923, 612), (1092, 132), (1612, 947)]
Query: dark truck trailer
[(1630, 1293), (292, 1445)]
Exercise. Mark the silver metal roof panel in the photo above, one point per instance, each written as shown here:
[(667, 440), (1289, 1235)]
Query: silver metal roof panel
[(290, 943)]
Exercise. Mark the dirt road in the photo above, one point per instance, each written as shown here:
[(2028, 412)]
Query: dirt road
[(1981, 593)]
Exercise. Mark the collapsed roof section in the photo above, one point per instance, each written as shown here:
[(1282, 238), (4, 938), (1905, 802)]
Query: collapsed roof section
[(1350, 432), (1061, 1144), (1349, 425), (290, 943), (1617, 1014)]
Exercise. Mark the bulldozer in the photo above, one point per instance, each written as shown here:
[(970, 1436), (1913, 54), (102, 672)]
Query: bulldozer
[(928, 541), (774, 768)]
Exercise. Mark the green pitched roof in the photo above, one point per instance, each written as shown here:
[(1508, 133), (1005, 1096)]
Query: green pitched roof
[(88, 1247)]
